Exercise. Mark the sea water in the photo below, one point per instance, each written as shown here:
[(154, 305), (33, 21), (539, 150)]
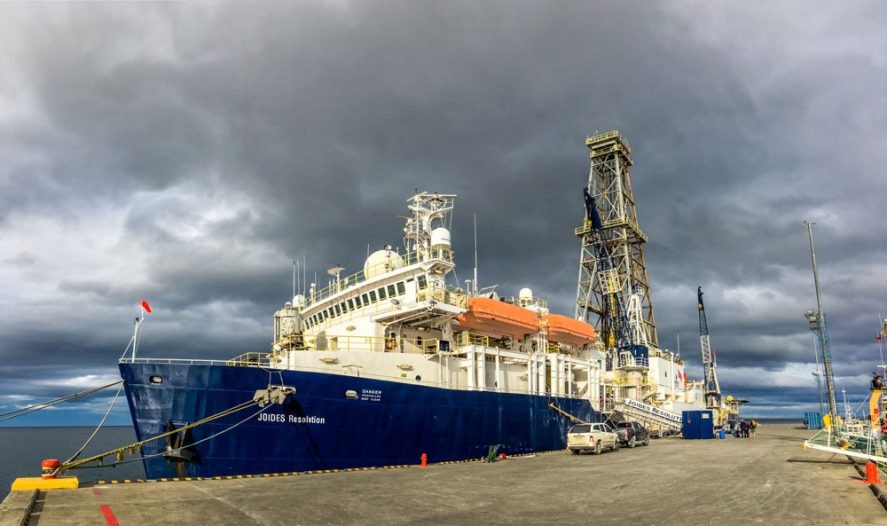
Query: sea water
[(22, 449)]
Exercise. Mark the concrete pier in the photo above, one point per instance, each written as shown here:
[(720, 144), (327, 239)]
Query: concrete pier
[(769, 479)]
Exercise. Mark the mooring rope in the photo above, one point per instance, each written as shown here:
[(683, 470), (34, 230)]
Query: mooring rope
[(95, 432), (9, 415), (137, 445)]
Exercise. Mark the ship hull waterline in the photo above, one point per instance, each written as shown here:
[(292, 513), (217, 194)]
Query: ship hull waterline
[(331, 422)]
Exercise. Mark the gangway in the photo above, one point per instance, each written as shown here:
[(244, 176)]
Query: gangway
[(649, 415)]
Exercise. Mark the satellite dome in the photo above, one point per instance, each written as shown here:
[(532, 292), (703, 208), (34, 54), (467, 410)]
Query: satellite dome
[(382, 261), (440, 236)]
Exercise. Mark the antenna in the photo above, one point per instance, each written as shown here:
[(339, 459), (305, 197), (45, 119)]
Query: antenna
[(335, 272), (475, 253), (295, 271)]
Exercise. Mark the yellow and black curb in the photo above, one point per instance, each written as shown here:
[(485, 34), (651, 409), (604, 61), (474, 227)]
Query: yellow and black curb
[(311, 472)]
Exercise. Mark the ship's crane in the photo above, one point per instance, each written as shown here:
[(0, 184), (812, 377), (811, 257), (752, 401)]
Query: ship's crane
[(709, 362), (616, 329)]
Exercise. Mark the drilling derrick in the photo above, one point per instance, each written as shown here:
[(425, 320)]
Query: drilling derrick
[(611, 265)]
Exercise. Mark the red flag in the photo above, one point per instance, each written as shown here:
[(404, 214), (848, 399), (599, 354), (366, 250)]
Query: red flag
[(147, 306)]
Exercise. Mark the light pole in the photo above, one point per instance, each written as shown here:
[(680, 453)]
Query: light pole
[(819, 325)]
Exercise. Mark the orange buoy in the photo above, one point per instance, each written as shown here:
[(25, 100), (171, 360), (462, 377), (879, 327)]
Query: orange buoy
[(50, 468), (502, 456), (424, 460)]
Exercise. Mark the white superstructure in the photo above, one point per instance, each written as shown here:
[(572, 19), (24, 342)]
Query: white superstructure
[(398, 320)]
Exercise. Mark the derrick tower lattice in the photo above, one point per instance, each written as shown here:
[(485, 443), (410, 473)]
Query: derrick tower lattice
[(609, 186)]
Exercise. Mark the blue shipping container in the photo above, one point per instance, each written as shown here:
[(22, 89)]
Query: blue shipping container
[(813, 419), (697, 424)]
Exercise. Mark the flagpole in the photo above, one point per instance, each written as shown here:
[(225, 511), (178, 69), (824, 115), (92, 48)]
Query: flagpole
[(144, 307)]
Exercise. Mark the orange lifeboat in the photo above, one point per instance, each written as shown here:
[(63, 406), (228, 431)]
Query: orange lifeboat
[(498, 317), (562, 329)]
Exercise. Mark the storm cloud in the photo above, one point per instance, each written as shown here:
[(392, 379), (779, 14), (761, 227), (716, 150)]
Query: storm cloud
[(185, 152)]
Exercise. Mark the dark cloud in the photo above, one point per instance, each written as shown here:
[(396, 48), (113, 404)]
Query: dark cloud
[(186, 152)]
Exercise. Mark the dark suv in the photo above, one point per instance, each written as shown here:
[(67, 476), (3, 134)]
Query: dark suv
[(631, 434)]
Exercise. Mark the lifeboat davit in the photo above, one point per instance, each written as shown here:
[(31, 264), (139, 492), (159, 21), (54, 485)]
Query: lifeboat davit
[(498, 317), (562, 329)]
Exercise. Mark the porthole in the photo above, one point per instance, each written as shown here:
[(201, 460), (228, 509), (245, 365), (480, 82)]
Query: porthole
[(351, 393), (156, 379), (418, 378)]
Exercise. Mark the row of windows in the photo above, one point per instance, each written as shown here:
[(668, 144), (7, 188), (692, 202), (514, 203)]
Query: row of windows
[(362, 300)]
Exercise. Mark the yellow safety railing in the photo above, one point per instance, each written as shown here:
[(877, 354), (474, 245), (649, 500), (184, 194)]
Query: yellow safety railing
[(249, 358), (440, 253), (347, 343), (443, 295), (469, 338), (446, 295)]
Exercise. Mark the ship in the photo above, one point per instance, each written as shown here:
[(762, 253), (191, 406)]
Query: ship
[(390, 365)]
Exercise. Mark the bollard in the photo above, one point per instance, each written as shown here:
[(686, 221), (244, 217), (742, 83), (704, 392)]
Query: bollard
[(50, 468), (871, 473), (424, 463)]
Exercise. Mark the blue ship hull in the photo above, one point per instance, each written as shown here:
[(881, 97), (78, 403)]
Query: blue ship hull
[(320, 427)]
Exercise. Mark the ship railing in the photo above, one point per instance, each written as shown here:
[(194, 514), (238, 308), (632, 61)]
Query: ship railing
[(470, 338), (347, 343), (440, 253), (633, 361), (251, 359), (528, 302), (173, 361), (447, 295)]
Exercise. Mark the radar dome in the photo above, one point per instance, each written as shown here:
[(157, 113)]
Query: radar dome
[(525, 294), (382, 261), (440, 236)]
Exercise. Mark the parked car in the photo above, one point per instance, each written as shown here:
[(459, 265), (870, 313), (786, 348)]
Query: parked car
[(592, 437), (632, 433)]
